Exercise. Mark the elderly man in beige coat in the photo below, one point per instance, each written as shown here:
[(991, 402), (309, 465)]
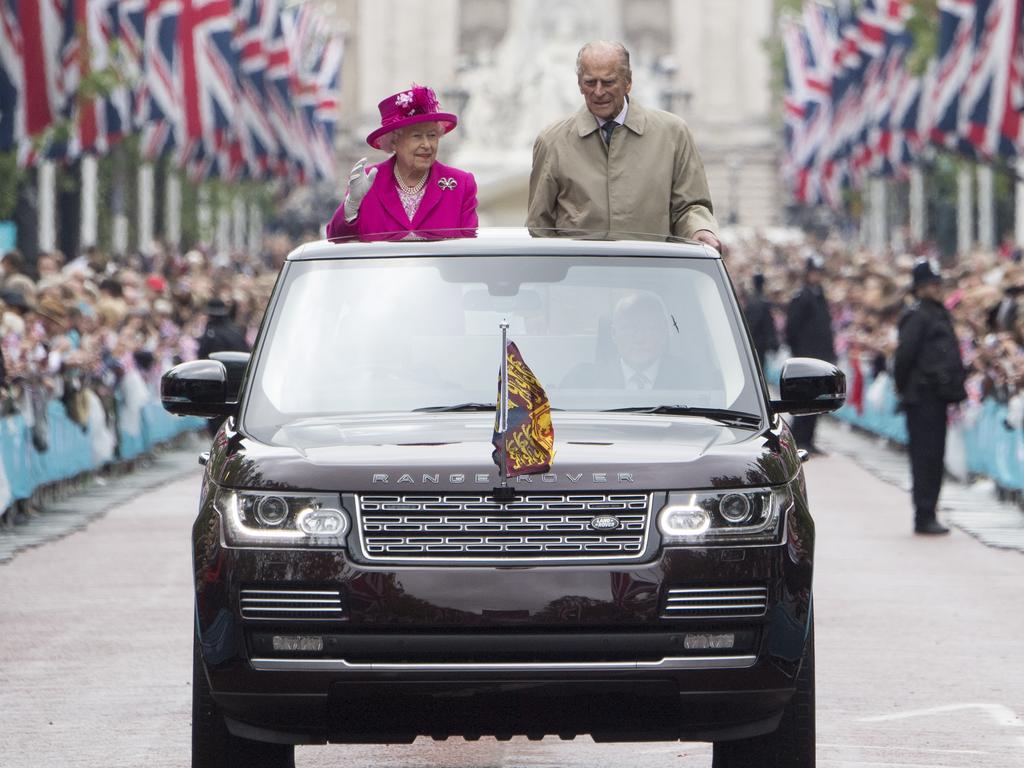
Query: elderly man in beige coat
[(616, 165)]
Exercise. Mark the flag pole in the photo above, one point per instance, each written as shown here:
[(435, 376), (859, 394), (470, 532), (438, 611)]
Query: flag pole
[(503, 405)]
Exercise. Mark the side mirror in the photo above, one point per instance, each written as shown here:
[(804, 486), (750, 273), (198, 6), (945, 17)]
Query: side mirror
[(197, 388), (808, 386), (235, 363)]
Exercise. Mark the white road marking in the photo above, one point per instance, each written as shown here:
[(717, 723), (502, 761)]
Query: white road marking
[(916, 750), (1003, 716)]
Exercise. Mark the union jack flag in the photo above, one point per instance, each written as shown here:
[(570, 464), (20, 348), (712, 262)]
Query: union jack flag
[(987, 113), (209, 76), (315, 65), (1013, 122), (848, 61), (256, 136), (325, 117), (292, 154), (955, 50), (871, 29), (820, 25), (160, 108), (882, 26), (236, 87), (31, 40), (906, 138), (91, 42), (12, 106)]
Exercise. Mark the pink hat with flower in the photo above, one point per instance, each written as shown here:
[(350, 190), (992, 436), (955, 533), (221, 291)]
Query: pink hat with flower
[(416, 105)]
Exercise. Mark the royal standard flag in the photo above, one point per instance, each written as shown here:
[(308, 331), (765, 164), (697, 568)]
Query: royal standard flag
[(528, 440)]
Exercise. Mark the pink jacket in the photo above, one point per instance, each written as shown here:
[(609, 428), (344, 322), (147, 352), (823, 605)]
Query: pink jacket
[(449, 203)]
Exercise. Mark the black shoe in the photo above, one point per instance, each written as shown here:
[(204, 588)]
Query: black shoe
[(931, 528)]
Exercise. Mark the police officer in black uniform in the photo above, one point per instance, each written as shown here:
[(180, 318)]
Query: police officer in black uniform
[(809, 334), (929, 375), (220, 335), (758, 311)]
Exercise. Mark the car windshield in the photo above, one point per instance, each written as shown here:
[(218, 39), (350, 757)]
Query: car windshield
[(356, 336)]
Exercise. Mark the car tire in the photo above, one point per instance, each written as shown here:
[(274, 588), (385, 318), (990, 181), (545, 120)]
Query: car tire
[(213, 745), (792, 745)]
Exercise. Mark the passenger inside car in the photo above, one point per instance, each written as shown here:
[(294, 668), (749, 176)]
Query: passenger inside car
[(640, 357)]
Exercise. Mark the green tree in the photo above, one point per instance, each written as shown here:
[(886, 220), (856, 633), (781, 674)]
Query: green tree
[(923, 26), (11, 178)]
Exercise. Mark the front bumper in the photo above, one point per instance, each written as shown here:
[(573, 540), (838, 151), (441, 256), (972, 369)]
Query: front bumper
[(471, 651)]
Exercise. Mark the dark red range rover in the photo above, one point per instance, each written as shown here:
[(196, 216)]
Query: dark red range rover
[(358, 577)]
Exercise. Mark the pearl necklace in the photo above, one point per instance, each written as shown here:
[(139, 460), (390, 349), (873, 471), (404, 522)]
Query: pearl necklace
[(410, 190)]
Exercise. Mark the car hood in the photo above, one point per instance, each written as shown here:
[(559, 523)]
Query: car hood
[(424, 452)]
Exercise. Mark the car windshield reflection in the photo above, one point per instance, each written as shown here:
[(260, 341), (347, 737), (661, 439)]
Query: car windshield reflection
[(369, 335)]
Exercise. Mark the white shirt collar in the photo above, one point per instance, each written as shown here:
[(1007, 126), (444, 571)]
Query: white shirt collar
[(650, 373), (620, 118)]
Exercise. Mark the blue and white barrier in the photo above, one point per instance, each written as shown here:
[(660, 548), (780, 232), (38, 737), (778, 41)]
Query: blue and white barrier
[(72, 450), (979, 440)]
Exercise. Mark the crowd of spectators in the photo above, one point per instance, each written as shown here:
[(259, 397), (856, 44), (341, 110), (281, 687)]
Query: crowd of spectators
[(867, 292), (96, 330)]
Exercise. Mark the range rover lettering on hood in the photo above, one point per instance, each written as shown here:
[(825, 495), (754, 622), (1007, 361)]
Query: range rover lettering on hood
[(486, 478)]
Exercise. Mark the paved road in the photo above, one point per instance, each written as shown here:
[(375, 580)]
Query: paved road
[(918, 641)]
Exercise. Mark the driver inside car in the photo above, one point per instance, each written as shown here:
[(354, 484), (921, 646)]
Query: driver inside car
[(641, 358)]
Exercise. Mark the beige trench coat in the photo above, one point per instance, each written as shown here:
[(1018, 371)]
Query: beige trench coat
[(650, 179)]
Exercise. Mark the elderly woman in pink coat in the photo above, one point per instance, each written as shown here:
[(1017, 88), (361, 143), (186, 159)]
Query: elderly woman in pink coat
[(410, 193)]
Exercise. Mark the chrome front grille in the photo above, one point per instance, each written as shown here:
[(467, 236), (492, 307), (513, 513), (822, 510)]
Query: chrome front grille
[(290, 604), (477, 528), (716, 603)]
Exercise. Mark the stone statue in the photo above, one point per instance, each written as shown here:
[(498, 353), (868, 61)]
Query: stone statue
[(530, 80)]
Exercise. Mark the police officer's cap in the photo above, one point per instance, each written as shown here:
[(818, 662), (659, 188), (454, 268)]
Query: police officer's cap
[(925, 271), (217, 308), (815, 263)]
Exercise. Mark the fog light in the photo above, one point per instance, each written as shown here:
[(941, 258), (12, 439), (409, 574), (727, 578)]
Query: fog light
[(684, 519), (707, 641), (300, 643)]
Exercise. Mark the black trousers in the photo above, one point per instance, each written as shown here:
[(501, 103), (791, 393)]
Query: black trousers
[(803, 430), (926, 428)]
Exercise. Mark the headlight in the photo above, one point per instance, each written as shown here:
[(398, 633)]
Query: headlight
[(717, 517), (284, 519)]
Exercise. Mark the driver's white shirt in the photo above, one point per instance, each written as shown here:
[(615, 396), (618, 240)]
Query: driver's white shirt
[(633, 376)]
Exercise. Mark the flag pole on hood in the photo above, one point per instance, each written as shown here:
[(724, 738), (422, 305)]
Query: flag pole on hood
[(503, 405)]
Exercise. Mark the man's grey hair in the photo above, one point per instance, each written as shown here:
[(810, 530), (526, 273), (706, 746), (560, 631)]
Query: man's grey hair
[(594, 45)]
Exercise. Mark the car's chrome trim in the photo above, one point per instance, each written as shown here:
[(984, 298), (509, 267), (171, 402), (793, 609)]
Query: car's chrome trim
[(284, 604), (581, 556), (747, 602), (668, 663)]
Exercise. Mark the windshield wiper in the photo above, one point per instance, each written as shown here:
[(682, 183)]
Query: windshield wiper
[(723, 415), (461, 407)]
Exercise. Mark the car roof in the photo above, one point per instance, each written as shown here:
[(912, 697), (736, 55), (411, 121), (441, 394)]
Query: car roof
[(511, 241)]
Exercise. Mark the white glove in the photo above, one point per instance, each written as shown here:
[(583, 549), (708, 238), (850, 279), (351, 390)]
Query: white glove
[(359, 184)]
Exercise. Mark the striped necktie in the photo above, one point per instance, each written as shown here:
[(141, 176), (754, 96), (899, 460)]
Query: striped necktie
[(607, 129)]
